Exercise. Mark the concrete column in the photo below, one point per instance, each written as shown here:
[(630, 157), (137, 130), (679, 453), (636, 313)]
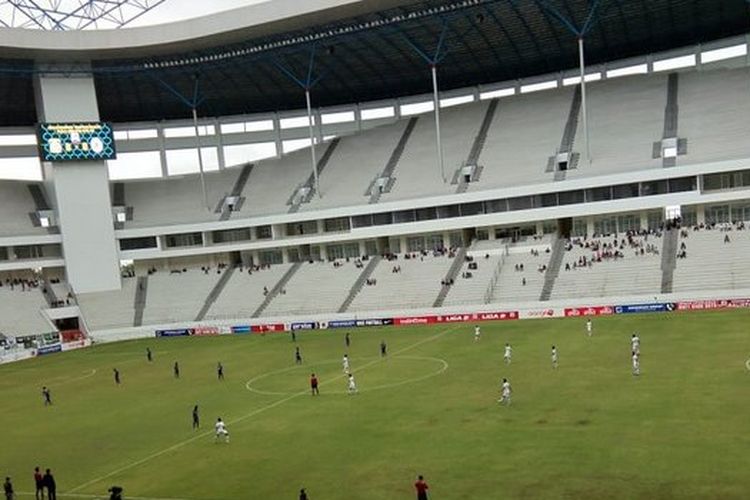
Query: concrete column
[(539, 228), (644, 220), (402, 243), (491, 231), (589, 226), (700, 214), (81, 189)]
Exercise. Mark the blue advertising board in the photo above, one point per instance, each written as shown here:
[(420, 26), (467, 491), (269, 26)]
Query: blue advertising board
[(305, 325), (342, 323), (241, 329), (645, 308), (175, 332), (49, 349)]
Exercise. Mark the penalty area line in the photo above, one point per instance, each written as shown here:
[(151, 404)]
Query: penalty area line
[(253, 413)]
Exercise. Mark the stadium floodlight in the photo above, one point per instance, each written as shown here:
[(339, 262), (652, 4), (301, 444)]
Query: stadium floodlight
[(65, 15)]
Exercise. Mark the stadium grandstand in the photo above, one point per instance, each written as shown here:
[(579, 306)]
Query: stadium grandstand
[(287, 165)]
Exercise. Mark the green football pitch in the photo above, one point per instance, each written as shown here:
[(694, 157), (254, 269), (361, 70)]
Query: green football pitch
[(587, 430)]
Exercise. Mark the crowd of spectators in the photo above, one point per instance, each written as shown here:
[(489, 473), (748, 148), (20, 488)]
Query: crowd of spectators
[(611, 248)]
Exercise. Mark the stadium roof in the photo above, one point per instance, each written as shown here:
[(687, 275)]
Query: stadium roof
[(258, 58)]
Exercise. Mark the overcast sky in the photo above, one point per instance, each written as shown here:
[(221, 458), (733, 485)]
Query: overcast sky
[(176, 10)]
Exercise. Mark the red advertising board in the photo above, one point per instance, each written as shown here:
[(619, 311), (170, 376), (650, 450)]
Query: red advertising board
[(275, 327), (201, 331), (703, 305), (456, 318), (588, 311)]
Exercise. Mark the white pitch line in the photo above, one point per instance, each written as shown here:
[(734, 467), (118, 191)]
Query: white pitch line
[(262, 409)]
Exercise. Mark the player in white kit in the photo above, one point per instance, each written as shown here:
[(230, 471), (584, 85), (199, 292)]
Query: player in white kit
[(477, 333), (554, 357), (505, 392), (589, 327), (636, 364), (221, 430), (508, 354), (352, 388), (345, 363), (635, 343)]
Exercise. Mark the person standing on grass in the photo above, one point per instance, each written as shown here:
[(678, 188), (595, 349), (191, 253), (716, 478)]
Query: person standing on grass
[(345, 363), (196, 418), (39, 483), (636, 364), (294, 336), (508, 354), (221, 430), (8, 488), (47, 396), (176, 369), (421, 487), (116, 373), (149, 356), (352, 387), (589, 327), (554, 357), (220, 371), (477, 333), (303, 494), (635, 343), (314, 385), (297, 356), (505, 392), (347, 340), (383, 349), (49, 483)]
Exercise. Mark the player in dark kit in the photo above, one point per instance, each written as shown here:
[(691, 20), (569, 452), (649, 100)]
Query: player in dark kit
[(39, 483), (117, 375), (297, 356), (314, 385), (220, 371), (176, 369), (383, 349), (47, 396), (149, 357), (421, 487), (347, 340), (196, 418), (303, 494), (49, 483)]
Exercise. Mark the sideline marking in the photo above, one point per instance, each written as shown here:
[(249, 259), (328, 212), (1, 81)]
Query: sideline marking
[(747, 364), (443, 368), (276, 403)]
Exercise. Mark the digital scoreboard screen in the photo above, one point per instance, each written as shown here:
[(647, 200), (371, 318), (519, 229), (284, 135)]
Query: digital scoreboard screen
[(76, 141)]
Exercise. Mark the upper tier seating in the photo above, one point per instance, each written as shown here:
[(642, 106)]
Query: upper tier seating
[(243, 293), (174, 297), (104, 310), (20, 311), (16, 204)]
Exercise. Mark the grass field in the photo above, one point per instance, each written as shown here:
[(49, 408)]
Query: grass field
[(588, 430)]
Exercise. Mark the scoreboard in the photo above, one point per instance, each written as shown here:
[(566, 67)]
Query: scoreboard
[(59, 142)]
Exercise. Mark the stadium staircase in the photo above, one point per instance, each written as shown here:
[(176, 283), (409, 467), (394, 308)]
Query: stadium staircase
[(296, 201), (568, 138), (215, 292), (390, 167), (277, 289), (357, 286), (50, 296), (450, 276), (553, 268), (139, 303), (239, 186), (477, 146), (669, 259), (671, 118)]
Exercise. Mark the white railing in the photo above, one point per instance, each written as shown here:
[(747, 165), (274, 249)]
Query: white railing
[(490, 292)]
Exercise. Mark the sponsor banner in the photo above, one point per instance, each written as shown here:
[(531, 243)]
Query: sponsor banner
[(75, 344), (645, 308), (588, 311), (306, 325), (276, 327), (539, 313), (240, 329), (456, 318), (205, 331), (49, 349), (375, 322), (175, 332), (706, 305), (342, 323)]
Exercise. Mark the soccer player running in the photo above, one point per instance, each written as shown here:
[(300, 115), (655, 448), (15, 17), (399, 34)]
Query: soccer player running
[(8, 488), (116, 373), (505, 392), (176, 369), (196, 418), (47, 395), (383, 349), (477, 333), (221, 430), (352, 388), (421, 487), (347, 340), (149, 356), (554, 357), (589, 327), (345, 363), (314, 385), (636, 358), (508, 354), (297, 356), (220, 371)]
